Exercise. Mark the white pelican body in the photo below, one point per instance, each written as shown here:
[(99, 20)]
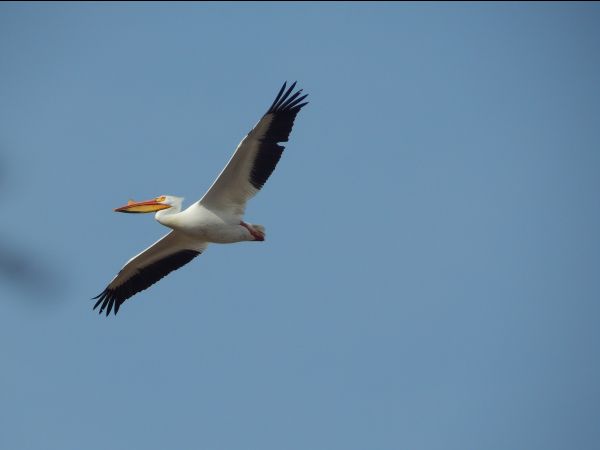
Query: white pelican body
[(208, 225), (217, 217)]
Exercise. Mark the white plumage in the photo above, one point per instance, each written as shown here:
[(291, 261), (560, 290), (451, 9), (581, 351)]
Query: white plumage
[(218, 216)]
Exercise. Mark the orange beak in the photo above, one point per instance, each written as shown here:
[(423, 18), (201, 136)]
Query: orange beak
[(142, 207)]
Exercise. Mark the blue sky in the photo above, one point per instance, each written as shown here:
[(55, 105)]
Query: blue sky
[(430, 275)]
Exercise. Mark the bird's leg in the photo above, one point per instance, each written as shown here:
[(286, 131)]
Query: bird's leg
[(256, 234)]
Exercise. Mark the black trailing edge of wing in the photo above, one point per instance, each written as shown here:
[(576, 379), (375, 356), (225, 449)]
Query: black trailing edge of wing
[(143, 279), (284, 110)]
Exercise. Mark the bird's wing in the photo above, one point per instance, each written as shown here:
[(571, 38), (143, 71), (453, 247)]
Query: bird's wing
[(164, 256), (257, 155)]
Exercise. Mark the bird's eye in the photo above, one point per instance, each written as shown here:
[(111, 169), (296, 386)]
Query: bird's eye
[(161, 199)]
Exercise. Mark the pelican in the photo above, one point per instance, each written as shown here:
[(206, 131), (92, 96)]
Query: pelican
[(218, 216)]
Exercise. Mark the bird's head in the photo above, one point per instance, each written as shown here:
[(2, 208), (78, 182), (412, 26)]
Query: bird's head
[(156, 204)]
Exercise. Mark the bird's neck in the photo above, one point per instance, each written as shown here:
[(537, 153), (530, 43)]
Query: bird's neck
[(167, 217)]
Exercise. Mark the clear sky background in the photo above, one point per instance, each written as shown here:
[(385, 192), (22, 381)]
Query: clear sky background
[(431, 275)]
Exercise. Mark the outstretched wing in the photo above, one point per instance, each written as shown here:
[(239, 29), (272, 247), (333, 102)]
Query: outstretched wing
[(142, 271), (257, 155)]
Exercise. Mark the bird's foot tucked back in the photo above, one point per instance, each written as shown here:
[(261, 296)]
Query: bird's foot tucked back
[(257, 231)]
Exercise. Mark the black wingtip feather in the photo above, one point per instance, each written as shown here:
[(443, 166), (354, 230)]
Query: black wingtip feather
[(278, 95), (284, 101), (290, 100), (99, 301), (109, 309), (112, 298), (284, 110), (301, 105), (293, 104)]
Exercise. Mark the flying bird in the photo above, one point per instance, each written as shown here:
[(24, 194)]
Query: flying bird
[(218, 216)]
